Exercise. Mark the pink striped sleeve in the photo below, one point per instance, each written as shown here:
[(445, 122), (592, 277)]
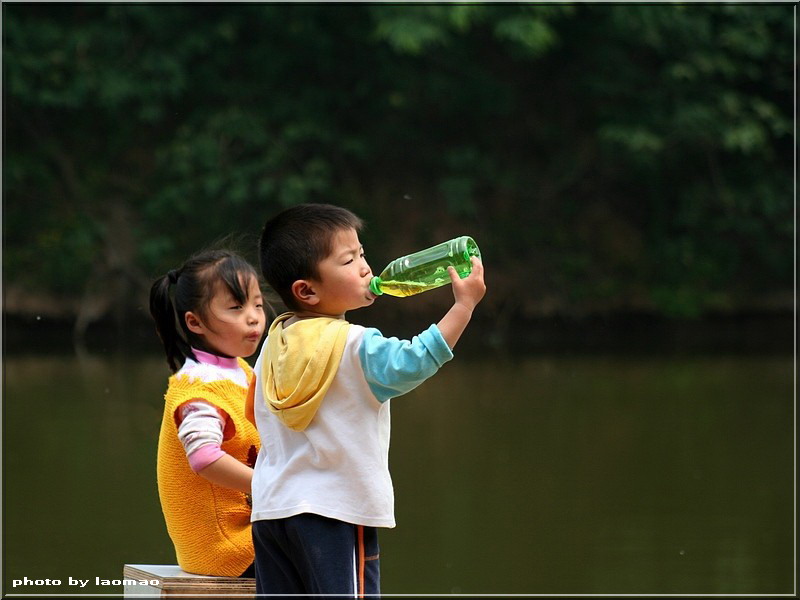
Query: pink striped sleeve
[(204, 456)]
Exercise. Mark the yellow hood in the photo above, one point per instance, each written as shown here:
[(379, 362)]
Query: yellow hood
[(301, 362)]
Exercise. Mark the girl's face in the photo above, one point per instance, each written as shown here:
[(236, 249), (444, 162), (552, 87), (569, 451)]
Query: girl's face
[(344, 279), (230, 328)]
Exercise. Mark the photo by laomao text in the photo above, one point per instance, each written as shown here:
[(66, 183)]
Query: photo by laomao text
[(27, 581)]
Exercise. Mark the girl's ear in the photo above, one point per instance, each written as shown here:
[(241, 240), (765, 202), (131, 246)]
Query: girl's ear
[(303, 291), (194, 324)]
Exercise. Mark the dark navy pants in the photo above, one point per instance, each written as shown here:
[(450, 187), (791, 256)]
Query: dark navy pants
[(312, 554)]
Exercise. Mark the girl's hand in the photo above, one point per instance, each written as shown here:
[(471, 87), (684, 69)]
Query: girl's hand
[(230, 473), (470, 290)]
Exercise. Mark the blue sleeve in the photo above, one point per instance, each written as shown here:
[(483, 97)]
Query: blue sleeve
[(393, 367)]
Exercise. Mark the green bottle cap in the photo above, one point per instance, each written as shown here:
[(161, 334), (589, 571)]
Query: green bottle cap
[(375, 286)]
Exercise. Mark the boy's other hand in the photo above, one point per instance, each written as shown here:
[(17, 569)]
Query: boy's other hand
[(470, 290)]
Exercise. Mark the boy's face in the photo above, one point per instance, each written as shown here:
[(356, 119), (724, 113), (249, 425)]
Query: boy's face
[(344, 279)]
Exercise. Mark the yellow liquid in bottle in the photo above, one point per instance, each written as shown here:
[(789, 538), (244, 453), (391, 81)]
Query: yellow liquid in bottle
[(402, 289)]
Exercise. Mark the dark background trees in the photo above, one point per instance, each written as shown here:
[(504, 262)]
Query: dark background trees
[(624, 158)]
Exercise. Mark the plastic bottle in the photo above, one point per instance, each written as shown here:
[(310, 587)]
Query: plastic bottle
[(426, 269)]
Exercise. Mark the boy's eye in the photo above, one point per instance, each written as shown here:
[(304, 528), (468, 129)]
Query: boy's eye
[(361, 255)]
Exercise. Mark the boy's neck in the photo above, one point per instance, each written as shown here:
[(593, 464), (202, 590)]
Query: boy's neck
[(310, 314)]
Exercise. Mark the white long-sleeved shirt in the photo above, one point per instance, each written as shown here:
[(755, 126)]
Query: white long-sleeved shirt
[(338, 467)]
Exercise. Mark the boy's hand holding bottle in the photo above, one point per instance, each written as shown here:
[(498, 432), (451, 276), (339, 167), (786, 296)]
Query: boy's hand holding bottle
[(470, 290), (467, 293)]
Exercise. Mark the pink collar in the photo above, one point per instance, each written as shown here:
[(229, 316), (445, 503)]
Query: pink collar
[(212, 359)]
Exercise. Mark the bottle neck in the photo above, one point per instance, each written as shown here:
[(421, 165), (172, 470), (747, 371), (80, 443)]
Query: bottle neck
[(375, 286)]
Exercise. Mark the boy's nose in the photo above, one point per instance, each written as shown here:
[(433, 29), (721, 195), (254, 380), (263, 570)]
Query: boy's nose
[(365, 270)]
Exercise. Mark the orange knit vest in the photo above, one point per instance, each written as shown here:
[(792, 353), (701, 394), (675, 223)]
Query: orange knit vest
[(209, 525)]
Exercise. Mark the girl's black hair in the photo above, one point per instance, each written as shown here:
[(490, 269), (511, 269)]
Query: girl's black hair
[(191, 288)]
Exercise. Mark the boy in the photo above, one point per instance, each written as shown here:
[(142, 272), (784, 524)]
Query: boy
[(321, 484)]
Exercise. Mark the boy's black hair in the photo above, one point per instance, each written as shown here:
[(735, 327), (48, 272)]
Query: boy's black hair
[(295, 241), (191, 288)]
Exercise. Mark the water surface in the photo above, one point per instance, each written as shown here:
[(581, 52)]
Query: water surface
[(513, 475)]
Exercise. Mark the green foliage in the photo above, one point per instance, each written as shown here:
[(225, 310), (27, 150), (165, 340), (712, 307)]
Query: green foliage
[(620, 156)]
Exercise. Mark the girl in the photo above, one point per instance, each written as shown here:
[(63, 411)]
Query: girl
[(208, 314)]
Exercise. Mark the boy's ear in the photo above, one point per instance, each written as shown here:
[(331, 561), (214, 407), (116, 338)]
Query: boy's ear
[(194, 324), (303, 291)]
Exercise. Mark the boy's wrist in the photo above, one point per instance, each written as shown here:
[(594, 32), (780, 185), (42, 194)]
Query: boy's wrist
[(464, 306)]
